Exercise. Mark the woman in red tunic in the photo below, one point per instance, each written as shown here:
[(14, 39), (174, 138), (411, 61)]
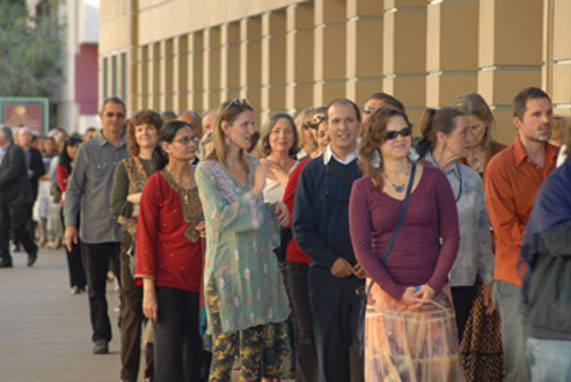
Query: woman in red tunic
[(169, 255)]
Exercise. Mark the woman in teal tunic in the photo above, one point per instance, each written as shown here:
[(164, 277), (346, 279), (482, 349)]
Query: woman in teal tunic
[(242, 281)]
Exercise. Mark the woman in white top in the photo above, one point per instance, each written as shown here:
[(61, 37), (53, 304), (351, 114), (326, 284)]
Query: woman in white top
[(279, 145)]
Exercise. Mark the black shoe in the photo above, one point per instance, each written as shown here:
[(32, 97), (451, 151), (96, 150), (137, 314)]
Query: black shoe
[(32, 257), (101, 347), (5, 263)]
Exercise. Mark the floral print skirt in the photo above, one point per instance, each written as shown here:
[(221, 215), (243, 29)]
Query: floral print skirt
[(402, 344)]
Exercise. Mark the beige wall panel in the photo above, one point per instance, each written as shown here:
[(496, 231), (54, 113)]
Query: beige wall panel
[(409, 40), (410, 90), (250, 53), (115, 26), (273, 62), (360, 90), (329, 48), (325, 92), (180, 73), (562, 30), (230, 60), (299, 56), (561, 84), (167, 67), (499, 87), (145, 77), (155, 73), (459, 33), (434, 36), (299, 97), (442, 90), (195, 50), (404, 3), (132, 80), (330, 11), (364, 7), (211, 68), (364, 47), (486, 30), (505, 130)]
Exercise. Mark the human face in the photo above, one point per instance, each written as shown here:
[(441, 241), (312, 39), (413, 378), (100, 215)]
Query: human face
[(397, 148), (146, 135), (476, 130), (49, 146), (343, 128), (241, 130), (208, 122), (455, 142), (536, 121), (112, 118), (72, 151), (25, 138), (184, 145), (192, 120), (281, 136), (322, 137), (370, 107)]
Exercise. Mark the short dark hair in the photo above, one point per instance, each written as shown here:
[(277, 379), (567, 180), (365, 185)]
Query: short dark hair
[(388, 99), (347, 102), (114, 99), (520, 100)]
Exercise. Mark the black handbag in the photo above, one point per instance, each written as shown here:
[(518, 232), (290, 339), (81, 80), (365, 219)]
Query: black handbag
[(361, 324)]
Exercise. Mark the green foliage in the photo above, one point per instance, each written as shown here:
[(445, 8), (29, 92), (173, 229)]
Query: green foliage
[(30, 50)]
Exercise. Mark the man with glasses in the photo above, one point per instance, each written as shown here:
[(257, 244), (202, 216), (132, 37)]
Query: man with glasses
[(321, 228), (378, 100), (88, 190)]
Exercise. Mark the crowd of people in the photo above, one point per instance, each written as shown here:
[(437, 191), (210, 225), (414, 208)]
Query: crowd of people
[(330, 247)]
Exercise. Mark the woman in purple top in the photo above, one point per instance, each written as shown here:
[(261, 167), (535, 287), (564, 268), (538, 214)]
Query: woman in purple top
[(410, 328)]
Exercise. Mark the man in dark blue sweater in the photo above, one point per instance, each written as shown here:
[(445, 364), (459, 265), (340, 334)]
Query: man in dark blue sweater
[(321, 228)]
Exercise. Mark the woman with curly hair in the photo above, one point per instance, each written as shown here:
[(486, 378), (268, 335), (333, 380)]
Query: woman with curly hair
[(410, 329)]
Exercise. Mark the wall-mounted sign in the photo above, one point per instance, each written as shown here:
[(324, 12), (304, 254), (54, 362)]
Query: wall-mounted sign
[(25, 111)]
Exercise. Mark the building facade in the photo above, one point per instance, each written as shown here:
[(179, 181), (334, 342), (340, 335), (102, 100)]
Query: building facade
[(291, 54)]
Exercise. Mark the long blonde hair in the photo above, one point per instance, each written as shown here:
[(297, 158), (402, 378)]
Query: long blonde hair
[(372, 135), (473, 104), (228, 111)]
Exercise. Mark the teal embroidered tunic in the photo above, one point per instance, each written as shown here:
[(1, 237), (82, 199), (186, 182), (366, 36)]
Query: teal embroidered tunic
[(240, 234)]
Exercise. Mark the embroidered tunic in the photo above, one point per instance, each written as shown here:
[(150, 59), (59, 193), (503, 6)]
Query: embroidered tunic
[(168, 248), (241, 233)]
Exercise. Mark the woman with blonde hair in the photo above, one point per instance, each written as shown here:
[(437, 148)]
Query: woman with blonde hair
[(307, 139), (244, 290), (406, 241)]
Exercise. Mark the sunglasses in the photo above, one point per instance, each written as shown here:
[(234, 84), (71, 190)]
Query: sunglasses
[(235, 101), (111, 115), (316, 121), (186, 140), (390, 135)]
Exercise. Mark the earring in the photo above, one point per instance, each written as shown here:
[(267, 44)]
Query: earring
[(227, 141), (376, 159)]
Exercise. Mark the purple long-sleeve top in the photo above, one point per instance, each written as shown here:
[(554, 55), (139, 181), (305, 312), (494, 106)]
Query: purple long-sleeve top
[(426, 244)]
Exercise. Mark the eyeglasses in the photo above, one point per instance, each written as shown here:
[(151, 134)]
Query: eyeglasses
[(235, 101), (111, 115), (186, 140), (316, 121), (406, 132)]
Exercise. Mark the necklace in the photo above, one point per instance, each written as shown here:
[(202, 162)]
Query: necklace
[(398, 188)]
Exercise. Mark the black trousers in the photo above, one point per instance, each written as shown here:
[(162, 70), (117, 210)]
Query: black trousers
[(74, 262), (305, 352), (336, 308), (131, 320), (96, 259), (16, 217), (463, 298), (177, 340)]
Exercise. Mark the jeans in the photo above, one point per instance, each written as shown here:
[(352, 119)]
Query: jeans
[(507, 299), (550, 360)]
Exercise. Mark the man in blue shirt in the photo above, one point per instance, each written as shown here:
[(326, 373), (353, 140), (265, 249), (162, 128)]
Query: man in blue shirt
[(321, 228)]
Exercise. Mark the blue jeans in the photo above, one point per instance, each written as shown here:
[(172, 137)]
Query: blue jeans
[(550, 360)]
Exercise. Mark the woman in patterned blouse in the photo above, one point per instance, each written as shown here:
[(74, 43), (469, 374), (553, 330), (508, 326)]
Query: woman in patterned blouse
[(243, 284)]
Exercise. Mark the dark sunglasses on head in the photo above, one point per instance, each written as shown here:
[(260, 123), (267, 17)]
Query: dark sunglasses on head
[(406, 132), (368, 110), (235, 101), (316, 121)]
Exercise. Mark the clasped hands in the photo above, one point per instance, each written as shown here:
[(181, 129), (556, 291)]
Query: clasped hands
[(342, 268)]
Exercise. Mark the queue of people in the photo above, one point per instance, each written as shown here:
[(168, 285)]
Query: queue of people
[(336, 248)]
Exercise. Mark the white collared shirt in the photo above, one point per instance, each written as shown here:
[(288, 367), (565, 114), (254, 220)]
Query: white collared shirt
[(328, 153)]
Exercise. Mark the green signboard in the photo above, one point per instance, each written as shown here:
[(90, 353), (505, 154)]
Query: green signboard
[(32, 112)]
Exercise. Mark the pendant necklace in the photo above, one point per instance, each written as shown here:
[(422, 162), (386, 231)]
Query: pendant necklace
[(398, 188)]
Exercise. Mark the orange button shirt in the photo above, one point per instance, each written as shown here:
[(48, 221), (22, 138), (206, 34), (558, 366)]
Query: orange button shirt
[(511, 181)]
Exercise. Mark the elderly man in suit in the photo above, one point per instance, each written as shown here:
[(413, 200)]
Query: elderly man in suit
[(15, 199)]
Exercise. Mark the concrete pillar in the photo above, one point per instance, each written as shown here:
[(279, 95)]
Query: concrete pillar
[(250, 60), (211, 68), (404, 54), (560, 60), (155, 75), (364, 49), (144, 78), (133, 89), (509, 56), (451, 57), (180, 74), (273, 63), (167, 68), (329, 51), (299, 57), (229, 61), (195, 70)]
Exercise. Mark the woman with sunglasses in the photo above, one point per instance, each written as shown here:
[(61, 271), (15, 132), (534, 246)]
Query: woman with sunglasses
[(444, 143), (244, 290), (307, 139), (168, 251), (410, 331)]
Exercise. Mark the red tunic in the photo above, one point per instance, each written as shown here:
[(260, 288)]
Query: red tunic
[(294, 252), (162, 249)]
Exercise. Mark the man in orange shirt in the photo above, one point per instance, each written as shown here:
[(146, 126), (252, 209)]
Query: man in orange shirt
[(511, 180)]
